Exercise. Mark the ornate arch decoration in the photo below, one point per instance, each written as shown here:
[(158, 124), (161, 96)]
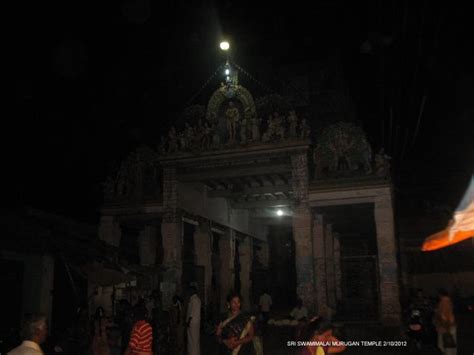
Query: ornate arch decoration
[(230, 92)]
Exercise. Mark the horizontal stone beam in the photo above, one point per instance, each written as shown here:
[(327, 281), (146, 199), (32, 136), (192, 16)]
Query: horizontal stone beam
[(282, 189), (342, 201), (130, 210), (234, 172), (349, 196), (260, 204)]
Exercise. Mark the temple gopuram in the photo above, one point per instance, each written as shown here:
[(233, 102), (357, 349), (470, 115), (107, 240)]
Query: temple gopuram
[(212, 204)]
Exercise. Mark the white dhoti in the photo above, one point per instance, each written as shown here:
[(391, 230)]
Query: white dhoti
[(193, 333)]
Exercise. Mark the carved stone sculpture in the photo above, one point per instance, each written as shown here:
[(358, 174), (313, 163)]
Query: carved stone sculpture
[(270, 132), (162, 146), (182, 141), (198, 135), (342, 150), (216, 139), (109, 188), (232, 118), (206, 136), (243, 131), (292, 124), (255, 132), (382, 164), (305, 130), (189, 136), (173, 140), (279, 128)]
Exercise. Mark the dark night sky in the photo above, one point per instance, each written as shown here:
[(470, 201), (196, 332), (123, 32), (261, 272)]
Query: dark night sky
[(94, 79)]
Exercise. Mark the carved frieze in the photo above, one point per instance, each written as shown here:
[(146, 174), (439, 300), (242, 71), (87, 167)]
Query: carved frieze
[(231, 121), (342, 150), (137, 179)]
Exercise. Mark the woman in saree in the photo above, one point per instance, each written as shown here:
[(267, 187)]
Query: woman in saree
[(100, 342), (235, 332)]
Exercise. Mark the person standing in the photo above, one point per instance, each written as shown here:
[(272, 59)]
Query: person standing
[(193, 323), (100, 342), (177, 323), (445, 324), (300, 314), (265, 304), (236, 331), (34, 332), (141, 338)]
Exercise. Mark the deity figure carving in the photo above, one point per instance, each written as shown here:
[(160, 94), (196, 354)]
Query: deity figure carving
[(278, 127), (255, 131), (232, 118), (188, 135), (122, 182), (243, 131), (216, 139), (172, 140), (162, 146), (305, 130), (292, 124), (198, 135), (382, 164), (340, 147), (109, 188), (182, 141), (367, 158), (268, 135), (206, 136)]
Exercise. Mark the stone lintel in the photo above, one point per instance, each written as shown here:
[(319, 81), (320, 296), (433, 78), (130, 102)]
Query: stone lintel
[(249, 152), (349, 196)]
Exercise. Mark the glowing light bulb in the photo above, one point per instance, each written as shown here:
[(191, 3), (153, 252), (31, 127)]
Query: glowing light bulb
[(224, 45), (279, 213)]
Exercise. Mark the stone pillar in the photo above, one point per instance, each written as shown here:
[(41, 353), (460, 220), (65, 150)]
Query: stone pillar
[(388, 268), (302, 231), (245, 257), (337, 266), (147, 243), (330, 266), (320, 267), (171, 231), (110, 231), (203, 250), (226, 250)]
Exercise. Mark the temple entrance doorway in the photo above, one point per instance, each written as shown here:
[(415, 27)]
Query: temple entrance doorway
[(281, 283), (351, 259)]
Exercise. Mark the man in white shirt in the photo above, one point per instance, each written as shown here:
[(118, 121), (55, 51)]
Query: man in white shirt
[(299, 313), (193, 322), (34, 332), (265, 304)]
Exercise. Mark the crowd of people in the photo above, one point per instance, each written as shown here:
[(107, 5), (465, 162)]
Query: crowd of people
[(432, 321), (236, 331)]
